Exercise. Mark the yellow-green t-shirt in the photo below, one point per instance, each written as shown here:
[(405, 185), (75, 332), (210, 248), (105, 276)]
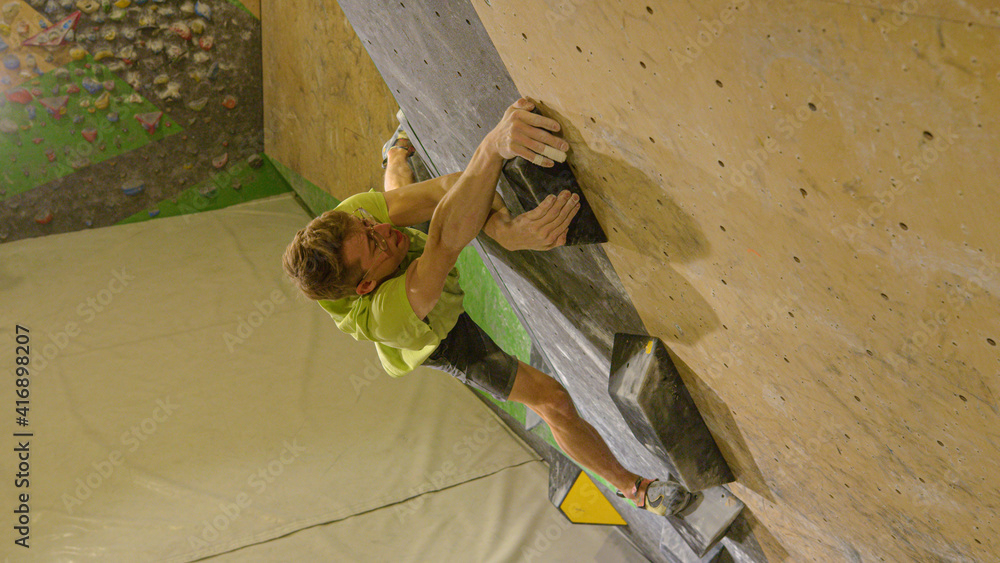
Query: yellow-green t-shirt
[(384, 316)]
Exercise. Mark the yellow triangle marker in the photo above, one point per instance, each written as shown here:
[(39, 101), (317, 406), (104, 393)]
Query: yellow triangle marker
[(584, 504)]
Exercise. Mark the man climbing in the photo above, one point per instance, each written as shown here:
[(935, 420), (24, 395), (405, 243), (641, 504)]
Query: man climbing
[(398, 288)]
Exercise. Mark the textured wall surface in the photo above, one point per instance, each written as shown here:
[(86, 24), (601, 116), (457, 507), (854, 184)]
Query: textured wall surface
[(327, 111), (800, 201)]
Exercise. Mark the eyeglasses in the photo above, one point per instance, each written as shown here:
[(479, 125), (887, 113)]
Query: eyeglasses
[(369, 222)]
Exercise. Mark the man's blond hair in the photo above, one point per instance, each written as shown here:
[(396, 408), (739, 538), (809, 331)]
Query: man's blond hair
[(314, 259)]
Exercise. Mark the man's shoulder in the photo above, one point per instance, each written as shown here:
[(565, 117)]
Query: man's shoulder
[(373, 202)]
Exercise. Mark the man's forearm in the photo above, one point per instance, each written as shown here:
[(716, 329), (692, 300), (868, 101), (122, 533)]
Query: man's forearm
[(464, 208)]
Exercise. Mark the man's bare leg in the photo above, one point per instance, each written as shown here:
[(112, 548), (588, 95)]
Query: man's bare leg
[(397, 170), (575, 436)]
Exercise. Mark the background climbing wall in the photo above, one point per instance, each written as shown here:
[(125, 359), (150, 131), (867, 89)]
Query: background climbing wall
[(800, 202), (327, 110), (109, 109)]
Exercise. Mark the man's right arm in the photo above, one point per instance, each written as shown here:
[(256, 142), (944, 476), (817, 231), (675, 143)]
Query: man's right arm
[(463, 210)]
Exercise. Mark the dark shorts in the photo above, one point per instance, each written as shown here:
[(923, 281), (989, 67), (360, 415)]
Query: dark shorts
[(471, 356)]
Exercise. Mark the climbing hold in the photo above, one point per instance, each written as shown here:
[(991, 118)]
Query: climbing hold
[(201, 57), (155, 46), (103, 101), (134, 98), (220, 161), (161, 79), (29, 61), (149, 121), (110, 33), (89, 134), (203, 10), (103, 54), (11, 62), (133, 187), (199, 104), (44, 218), (19, 95), (154, 212), (123, 4), (209, 191), (72, 89), (36, 92), (229, 102), (92, 86), (77, 53), (37, 140), (116, 15), (60, 33), (128, 54), (89, 223), (10, 11), (171, 92), (79, 162), (50, 154), (187, 7), (197, 26), (206, 42), (181, 29), (109, 85), (213, 71), (88, 6), (77, 119), (56, 106), (174, 52), (128, 33), (255, 161), (7, 126), (113, 117)]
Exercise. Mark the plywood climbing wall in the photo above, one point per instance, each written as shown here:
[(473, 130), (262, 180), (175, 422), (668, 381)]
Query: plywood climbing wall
[(327, 110), (801, 202)]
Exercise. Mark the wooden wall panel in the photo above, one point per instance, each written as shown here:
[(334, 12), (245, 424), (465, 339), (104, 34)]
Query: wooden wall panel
[(327, 111), (801, 202)]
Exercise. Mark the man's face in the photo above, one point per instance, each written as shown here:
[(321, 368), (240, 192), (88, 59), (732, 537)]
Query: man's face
[(363, 248)]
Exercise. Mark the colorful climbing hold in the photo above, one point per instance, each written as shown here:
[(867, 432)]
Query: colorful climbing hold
[(220, 161), (149, 121), (133, 187), (103, 101), (11, 62), (72, 89), (50, 154), (92, 86), (113, 117), (56, 106), (89, 134), (203, 10), (18, 95), (199, 104), (229, 102), (181, 29), (44, 218), (206, 42)]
